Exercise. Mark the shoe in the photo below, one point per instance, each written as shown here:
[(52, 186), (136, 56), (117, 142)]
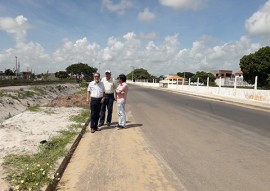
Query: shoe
[(101, 124), (120, 127), (92, 130), (108, 124)]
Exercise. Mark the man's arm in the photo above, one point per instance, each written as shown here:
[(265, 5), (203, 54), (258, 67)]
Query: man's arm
[(88, 94)]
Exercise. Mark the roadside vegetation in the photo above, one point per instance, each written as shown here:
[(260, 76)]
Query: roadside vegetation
[(34, 108), (32, 172), (23, 94), (36, 171)]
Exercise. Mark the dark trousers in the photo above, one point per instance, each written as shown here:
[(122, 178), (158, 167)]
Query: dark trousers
[(108, 103), (95, 110)]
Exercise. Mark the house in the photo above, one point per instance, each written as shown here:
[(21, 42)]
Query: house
[(26, 75), (227, 78), (171, 79), (239, 74), (222, 73)]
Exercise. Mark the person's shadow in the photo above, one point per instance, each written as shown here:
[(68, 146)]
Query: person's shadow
[(114, 125)]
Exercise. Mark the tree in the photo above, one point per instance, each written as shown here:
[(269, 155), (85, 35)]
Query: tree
[(9, 72), (61, 74), (203, 78), (257, 64), (32, 76), (80, 68), (141, 74), (186, 75)]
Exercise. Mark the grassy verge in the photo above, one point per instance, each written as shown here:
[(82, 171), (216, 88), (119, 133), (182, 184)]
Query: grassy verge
[(32, 172), (22, 94)]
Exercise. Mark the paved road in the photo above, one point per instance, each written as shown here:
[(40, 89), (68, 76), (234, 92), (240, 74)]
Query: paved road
[(209, 145), (175, 142)]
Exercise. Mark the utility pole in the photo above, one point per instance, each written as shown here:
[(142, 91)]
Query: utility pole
[(16, 66), (99, 67), (132, 71)]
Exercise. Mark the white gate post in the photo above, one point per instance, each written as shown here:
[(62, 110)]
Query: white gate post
[(256, 83), (255, 87), (219, 87), (234, 87)]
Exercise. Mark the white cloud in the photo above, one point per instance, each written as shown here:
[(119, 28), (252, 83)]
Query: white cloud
[(258, 23), (120, 54), (226, 56), (129, 36), (183, 4), (16, 27), (148, 36), (146, 16), (117, 7), (31, 56)]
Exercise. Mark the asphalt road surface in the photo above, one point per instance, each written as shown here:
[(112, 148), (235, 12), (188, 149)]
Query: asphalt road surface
[(209, 145)]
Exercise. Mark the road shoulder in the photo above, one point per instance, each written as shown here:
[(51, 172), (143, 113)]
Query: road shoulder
[(117, 160)]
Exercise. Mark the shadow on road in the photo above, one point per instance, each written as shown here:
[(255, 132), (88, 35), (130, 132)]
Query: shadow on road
[(114, 125)]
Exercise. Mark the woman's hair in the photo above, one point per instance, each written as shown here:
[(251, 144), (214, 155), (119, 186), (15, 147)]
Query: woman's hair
[(122, 77)]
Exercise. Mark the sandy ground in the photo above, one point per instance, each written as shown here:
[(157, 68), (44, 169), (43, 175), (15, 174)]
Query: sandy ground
[(22, 133)]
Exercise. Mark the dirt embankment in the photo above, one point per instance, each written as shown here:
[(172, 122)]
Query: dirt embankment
[(21, 130), (14, 100)]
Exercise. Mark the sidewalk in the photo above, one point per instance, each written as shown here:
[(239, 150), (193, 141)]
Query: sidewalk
[(117, 160)]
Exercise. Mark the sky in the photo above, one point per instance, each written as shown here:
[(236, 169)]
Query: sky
[(161, 36)]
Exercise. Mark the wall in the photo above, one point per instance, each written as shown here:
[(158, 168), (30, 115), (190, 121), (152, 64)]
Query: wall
[(247, 94)]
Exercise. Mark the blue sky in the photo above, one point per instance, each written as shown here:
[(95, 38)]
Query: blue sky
[(162, 36)]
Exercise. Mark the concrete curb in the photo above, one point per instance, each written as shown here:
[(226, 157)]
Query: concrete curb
[(64, 163)]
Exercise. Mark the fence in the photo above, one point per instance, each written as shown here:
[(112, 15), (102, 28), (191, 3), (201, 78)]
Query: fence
[(235, 92)]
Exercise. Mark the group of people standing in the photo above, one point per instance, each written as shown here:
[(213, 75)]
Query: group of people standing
[(101, 94)]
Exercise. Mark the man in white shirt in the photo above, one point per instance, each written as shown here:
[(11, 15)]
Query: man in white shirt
[(110, 86), (95, 94)]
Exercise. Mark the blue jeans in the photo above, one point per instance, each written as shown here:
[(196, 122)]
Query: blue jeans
[(108, 103), (121, 114)]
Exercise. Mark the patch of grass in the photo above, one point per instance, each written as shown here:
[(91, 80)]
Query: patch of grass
[(35, 108), (22, 94), (2, 94), (39, 91), (25, 94), (84, 84), (82, 117), (82, 92), (32, 172), (27, 172), (12, 96)]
